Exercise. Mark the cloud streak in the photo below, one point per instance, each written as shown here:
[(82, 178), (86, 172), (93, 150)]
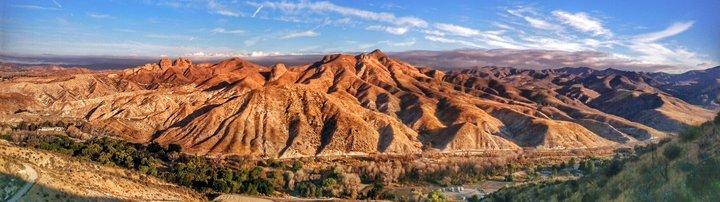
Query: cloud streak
[(99, 16), (220, 30), (327, 7), (581, 21), (57, 4), (35, 7), (389, 29), (673, 30), (257, 10), (220, 9), (456, 30), (309, 33), (171, 37)]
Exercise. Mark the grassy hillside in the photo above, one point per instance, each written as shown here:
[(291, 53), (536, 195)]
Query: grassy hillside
[(684, 169)]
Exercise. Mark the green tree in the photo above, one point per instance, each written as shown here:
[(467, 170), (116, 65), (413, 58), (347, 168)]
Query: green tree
[(436, 196)]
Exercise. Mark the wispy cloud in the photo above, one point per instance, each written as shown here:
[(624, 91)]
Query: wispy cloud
[(581, 21), (35, 7), (457, 30), (530, 16), (673, 30), (220, 9), (327, 7), (389, 29), (309, 33), (99, 15), (650, 51), (385, 43), (541, 24), (257, 10), (171, 37), (57, 4), (223, 31), (453, 41), (252, 41)]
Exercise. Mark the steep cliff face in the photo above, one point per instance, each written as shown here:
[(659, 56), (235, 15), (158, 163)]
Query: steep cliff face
[(344, 104)]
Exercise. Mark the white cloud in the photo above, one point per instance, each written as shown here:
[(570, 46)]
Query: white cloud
[(34, 7), (403, 44), (582, 22), (100, 16), (526, 14), (453, 41), (257, 11), (171, 37), (220, 9), (498, 40), (456, 30), (57, 4), (433, 32), (546, 43), (223, 31), (309, 33), (388, 29), (652, 52), (387, 43), (673, 30), (325, 7), (541, 24), (252, 41)]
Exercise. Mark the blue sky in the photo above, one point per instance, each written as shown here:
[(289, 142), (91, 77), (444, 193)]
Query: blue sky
[(679, 33)]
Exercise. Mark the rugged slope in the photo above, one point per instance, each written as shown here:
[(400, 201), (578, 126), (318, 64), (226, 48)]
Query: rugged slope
[(698, 87), (628, 95), (684, 169), (345, 104), (60, 178)]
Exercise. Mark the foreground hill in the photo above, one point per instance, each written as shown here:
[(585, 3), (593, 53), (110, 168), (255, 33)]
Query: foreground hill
[(357, 105), (53, 177), (685, 169)]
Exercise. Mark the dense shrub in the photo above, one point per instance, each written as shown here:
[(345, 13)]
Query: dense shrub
[(691, 134), (436, 196), (672, 152)]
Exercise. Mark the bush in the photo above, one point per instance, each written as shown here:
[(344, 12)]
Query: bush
[(615, 167), (691, 134), (509, 178), (436, 196), (376, 191), (297, 165), (672, 152)]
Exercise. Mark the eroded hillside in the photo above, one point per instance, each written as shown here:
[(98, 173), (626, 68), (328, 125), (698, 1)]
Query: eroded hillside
[(352, 105)]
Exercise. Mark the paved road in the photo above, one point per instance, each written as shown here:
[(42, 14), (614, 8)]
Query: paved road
[(31, 175)]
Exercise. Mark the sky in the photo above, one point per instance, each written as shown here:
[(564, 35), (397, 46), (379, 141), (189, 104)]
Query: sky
[(676, 35)]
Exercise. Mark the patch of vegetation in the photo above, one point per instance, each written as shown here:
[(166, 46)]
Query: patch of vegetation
[(203, 174), (684, 169), (436, 196)]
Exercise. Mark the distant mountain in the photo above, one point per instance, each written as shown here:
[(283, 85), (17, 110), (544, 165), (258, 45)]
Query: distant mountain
[(699, 87), (354, 105)]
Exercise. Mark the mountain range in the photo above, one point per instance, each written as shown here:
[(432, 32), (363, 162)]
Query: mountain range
[(360, 105)]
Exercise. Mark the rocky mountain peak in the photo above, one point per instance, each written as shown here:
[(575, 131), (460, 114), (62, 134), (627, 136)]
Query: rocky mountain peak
[(182, 62), (377, 53), (165, 63), (277, 71)]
